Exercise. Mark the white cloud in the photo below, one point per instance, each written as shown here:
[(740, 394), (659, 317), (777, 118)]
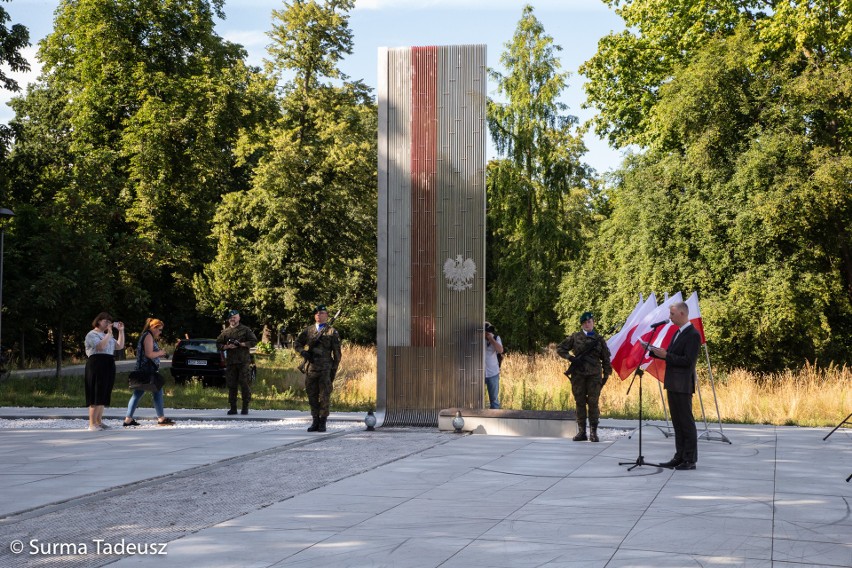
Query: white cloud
[(255, 42), (247, 38)]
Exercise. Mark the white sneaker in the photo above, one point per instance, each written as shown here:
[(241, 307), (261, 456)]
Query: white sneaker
[(95, 428)]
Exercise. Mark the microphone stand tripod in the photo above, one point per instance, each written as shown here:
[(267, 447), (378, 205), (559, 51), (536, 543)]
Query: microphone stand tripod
[(845, 421), (638, 373)]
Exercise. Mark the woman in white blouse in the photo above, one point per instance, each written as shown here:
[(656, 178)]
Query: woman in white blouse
[(101, 346)]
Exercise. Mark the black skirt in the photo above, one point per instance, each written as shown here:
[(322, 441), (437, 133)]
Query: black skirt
[(100, 378)]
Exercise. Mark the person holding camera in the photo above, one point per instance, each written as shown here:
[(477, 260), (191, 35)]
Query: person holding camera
[(148, 354), (319, 346), (493, 348), (590, 368), (101, 346), (236, 340)]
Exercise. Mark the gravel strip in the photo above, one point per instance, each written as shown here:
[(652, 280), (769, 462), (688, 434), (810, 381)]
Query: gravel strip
[(184, 503)]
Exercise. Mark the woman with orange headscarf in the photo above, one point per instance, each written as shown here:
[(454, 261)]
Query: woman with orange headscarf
[(148, 355)]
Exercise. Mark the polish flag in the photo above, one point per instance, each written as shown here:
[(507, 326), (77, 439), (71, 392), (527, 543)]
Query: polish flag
[(657, 367), (621, 345), (659, 337), (695, 315)]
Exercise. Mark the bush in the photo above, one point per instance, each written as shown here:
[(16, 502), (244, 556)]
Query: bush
[(359, 325), (265, 348)]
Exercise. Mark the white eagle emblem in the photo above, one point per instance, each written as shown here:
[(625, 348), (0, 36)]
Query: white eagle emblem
[(459, 273)]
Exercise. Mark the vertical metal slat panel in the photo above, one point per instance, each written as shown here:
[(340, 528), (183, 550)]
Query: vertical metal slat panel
[(442, 363), (382, 300), (399, 209)]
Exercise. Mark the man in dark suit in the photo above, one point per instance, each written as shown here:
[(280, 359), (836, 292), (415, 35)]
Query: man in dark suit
[(680, 357)]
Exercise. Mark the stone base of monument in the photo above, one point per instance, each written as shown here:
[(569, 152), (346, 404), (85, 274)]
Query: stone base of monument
[(536, 423)]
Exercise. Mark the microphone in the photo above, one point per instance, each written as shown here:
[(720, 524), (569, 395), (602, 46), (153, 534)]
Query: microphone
[(658, 324)]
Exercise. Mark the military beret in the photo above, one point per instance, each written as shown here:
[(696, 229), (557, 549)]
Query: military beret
[(232, 313), (586, 316), (320, 308)]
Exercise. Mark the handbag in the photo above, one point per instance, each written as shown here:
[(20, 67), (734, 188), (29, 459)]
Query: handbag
[(150, 381), (146, 377)]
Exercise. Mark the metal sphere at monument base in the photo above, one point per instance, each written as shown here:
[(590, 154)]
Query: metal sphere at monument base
[(370, 421)]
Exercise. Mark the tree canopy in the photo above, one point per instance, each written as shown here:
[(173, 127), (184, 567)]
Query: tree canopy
[(153, 172), (742, 187), (304, 232), (537, 191), (122, 150), (12, 40)]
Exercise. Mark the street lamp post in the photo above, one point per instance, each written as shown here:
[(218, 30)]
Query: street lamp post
[(5, 215)]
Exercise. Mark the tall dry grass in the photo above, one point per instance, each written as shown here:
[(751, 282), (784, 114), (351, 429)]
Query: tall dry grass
[(355, 384), (810, 396)]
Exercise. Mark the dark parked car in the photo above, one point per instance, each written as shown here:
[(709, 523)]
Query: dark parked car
[(200, 358)]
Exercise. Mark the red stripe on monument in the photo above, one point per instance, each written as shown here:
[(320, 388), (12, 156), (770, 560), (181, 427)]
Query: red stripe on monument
[(424, 129)]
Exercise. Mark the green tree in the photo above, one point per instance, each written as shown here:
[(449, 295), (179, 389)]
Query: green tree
[(305, 231), (126, 144), (741, 190), (12, 40), (538, 191)]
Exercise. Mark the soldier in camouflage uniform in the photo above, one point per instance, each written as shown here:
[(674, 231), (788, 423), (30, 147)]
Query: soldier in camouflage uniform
[(589, 370), (319, 345), (235, 340)]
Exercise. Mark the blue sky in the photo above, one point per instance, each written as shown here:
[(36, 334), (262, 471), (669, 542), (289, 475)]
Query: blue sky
[(576, 25)]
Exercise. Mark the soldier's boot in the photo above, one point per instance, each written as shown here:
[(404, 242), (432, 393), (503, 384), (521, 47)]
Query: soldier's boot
[(232, 398), (321, 425), (245, 408), (593, 433), (581, 433), (315, 425)]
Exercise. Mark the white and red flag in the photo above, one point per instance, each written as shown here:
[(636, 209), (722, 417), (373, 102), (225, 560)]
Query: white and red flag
[(622, 344), (659, 336), (695, 315), (657, 367)]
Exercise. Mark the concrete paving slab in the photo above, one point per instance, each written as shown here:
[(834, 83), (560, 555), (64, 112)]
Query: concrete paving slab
[(343, 551), (266, 493), (525, 554)]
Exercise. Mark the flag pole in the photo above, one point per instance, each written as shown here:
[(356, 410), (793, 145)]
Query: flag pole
[(708, 434), (667, 429)]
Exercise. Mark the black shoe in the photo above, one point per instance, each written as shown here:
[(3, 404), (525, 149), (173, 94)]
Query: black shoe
[(674, 462), (131, 423), (232, 411), (166, 422), (685, 465), (321, 425), (245, 410), (314, 425)]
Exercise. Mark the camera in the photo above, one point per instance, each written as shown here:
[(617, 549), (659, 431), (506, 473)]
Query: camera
[(490, 329), (234, 342), (115, 324)]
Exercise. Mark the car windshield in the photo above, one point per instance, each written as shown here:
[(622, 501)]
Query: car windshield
[(198, 346)]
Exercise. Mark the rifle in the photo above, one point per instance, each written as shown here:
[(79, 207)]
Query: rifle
[(306, 352), (568, 372)]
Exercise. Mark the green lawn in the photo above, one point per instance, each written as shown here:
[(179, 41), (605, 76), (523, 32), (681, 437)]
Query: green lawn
[(276, 388)]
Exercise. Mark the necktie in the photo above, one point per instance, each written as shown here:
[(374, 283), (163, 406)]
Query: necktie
[(674, 337)]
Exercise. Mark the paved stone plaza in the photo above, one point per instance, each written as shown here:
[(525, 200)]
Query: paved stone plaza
[(263, 492)]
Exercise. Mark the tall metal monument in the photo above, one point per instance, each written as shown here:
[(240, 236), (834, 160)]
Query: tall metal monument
[(431, 280)]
